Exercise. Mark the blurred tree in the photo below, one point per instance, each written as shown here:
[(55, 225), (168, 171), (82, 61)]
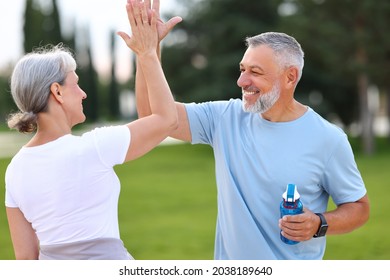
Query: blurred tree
[(113, 94), (32, 27), (52, 25), (6, 102), (346, 43), (208, 46), (379, 55), (88, 78), (41, 25)]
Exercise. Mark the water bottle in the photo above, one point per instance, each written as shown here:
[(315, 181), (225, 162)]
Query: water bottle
[(291, 205)]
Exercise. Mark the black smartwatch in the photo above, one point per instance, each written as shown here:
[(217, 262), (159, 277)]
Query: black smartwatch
[(323, 226)]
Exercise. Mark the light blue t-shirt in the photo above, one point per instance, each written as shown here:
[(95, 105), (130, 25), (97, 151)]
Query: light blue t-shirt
[(255, 160)]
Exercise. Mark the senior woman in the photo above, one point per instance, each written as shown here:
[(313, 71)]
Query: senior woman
[(61, 190)]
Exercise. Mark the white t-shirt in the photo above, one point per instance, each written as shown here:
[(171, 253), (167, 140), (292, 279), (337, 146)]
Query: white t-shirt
[(67, 189)]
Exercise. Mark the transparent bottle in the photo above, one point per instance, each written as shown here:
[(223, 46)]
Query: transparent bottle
[(290, 205)]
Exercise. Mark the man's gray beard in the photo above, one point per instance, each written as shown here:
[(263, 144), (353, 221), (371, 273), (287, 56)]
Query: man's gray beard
[(264, 102)]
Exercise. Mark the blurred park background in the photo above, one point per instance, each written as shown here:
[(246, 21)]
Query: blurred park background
[(168, 203)]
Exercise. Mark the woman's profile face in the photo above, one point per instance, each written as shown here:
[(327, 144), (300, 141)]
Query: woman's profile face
[(73, 97)]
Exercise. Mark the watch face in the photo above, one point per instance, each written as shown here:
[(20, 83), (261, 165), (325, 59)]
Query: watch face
[(323, 227), (322, 230)]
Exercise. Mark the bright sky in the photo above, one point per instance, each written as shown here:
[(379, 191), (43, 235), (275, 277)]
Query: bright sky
[(100, 16)]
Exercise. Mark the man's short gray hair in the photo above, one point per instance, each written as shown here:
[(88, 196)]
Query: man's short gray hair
[(286, 48)]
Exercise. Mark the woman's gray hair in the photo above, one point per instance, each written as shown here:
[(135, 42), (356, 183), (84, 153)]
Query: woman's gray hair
[(287, 50), (31, 80)]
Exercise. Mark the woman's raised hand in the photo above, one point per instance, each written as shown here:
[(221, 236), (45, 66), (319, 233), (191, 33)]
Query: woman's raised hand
[(143, 22)]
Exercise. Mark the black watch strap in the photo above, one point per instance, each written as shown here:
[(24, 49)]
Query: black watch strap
[(323, 226)]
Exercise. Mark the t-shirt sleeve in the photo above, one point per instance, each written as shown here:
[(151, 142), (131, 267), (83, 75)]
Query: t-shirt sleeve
[(9, 201), (203, 119), (343, 179), (112, 143)]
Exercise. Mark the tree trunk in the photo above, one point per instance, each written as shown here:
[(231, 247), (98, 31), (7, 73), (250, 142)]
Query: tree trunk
[(366, 116)]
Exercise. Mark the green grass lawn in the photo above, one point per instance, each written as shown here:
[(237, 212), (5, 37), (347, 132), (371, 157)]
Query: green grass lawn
[(168, 207)]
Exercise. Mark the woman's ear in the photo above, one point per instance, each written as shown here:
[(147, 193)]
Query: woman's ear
[(55, 91)]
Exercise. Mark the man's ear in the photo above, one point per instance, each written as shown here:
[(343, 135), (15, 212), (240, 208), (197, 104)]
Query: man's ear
[(55, 91), (292, 74)]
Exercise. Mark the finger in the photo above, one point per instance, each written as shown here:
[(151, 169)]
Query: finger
[(172, 22), (135, 10), (156, 6), (130, 13), (144, 13), (293, 237), (294, 218), (126, 38), (148, 4), (153, 19)]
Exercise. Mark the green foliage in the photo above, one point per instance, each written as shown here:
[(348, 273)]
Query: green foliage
[(6, 101), (113, 93), (41, 27), (167, 208), (32, 31), (88, 81), (342, 40), (204, 64), (201, 55)]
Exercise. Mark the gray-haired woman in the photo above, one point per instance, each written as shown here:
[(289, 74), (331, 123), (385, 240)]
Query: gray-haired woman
[(61, 189)]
